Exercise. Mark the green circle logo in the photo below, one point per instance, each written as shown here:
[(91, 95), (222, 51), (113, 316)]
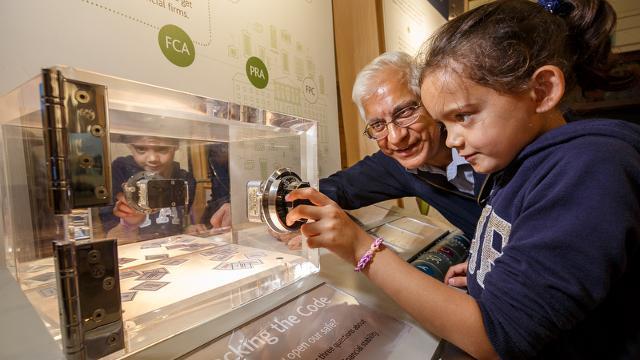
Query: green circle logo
[(257, 72), (176, 45)]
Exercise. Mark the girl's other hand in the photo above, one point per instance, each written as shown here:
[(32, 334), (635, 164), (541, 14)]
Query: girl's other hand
[(457, 275)]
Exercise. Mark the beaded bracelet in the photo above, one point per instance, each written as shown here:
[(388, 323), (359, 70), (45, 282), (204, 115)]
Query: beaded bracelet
[(368, 256)]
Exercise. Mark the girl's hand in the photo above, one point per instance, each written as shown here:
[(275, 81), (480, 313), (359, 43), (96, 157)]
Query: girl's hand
[(126, 213), (331, 227), (457, 275)]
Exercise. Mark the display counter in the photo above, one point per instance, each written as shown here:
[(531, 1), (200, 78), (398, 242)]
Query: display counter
[(334, 272), (337, 274)]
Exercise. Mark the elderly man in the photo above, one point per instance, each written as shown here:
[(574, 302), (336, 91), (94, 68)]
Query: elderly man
[(413, 159)]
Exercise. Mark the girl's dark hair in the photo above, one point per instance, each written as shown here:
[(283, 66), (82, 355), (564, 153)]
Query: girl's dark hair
[(500, 45)]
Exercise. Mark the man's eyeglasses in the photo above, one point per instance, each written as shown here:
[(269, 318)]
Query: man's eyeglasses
[(404, 117)]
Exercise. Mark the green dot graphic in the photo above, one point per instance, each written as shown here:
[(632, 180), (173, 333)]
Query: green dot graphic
[(176, 45), (257, 72)]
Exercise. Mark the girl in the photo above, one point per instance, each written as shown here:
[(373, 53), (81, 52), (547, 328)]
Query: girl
[(555, 260)]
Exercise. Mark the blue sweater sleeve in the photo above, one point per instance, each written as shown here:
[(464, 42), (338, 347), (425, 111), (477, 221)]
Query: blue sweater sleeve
[(575, 228), (370, 180)]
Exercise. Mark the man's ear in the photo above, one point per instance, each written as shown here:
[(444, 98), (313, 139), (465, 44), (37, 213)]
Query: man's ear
[(548, 86)]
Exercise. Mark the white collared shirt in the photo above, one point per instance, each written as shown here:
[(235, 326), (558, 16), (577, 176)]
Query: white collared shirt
[(459, 172)]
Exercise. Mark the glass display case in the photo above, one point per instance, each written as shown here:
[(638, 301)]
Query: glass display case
[(124, 207)]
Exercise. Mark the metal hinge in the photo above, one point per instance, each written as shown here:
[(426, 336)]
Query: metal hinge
[(89, 298), (76, 134)]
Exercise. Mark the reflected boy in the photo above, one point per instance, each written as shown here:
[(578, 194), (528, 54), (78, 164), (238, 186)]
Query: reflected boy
[(147, 154)]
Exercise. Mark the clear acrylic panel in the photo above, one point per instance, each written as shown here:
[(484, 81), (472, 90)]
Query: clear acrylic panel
[(181, 265)]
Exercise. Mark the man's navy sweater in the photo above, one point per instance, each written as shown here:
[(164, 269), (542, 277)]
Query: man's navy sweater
[(379, 177)]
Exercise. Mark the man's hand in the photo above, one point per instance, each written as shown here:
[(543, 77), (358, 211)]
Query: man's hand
[(293, 240), (222, 217), (196, 229), (128, 215), (457, 275)]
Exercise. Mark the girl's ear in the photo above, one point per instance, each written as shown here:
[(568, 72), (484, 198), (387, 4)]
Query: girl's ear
[(547, 87)]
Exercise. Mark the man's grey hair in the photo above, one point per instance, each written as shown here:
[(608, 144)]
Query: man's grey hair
[(369, 77)]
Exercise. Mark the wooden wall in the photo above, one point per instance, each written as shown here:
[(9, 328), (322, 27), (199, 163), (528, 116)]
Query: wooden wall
[(359, 38)]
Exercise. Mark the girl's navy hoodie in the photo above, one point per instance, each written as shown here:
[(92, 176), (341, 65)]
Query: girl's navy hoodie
[(555, 263)]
